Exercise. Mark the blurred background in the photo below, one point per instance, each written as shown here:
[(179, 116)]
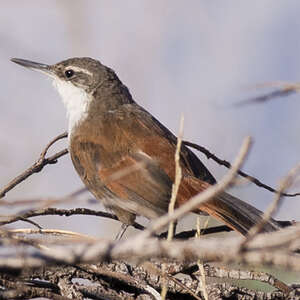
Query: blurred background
[(196, 59)]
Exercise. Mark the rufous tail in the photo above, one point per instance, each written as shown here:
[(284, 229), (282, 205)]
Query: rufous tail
[(237, 214)]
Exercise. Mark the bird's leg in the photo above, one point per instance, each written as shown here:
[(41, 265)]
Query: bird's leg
[(174, 228), (127, 218), (121, 231)]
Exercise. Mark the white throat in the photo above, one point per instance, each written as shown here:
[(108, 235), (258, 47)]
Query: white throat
[(76, 101)]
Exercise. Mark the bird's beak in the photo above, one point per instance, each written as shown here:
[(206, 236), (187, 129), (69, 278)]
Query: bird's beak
[(46, 69)]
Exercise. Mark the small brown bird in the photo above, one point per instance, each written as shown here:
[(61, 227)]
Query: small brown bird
[(109, 132)]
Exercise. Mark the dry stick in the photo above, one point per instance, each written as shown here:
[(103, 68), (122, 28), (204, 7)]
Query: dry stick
[(261, 251), (53, 232), (37, 166), (212, 271), (223, 272), (286, 183), (72, 195), (30, 222), (178, 176), (9, 239), (61, 212), (266, 97), (59, 137), (175, 188), (199, 262), (85, 211), (241, 173), (285, 89)]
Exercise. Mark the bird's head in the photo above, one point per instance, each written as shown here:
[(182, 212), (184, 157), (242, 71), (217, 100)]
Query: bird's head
[(76, 80)]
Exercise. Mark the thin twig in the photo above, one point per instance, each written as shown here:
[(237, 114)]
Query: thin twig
[(37, 166), (59, 137), (268, 96), (178, 176), (31, 222), (200, 263), (60, 212), (59, 232), (175, 188), (10, 239), (285, 184), (285, 89)]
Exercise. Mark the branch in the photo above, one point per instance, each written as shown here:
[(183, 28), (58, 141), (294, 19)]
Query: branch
[(285, 89), (61, 212), (212, 271)]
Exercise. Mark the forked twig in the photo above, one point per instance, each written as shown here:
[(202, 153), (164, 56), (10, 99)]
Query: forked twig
[(37, 166)]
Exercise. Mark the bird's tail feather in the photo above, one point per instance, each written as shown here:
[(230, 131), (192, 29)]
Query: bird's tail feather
[(237, 214)]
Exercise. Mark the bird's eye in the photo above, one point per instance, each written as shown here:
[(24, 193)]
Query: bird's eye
[(69, 73)]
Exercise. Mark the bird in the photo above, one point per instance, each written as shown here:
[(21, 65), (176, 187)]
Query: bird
[(108, 132)]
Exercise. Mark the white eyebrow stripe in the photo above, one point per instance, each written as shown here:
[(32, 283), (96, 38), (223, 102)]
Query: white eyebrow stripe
[(77, 69)]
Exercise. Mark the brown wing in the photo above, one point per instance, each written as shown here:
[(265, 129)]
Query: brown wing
[(142, 139), (118, 141)]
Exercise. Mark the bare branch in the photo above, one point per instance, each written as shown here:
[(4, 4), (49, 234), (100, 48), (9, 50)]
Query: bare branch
[(175, 188), (285, 89), (60, 212)]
